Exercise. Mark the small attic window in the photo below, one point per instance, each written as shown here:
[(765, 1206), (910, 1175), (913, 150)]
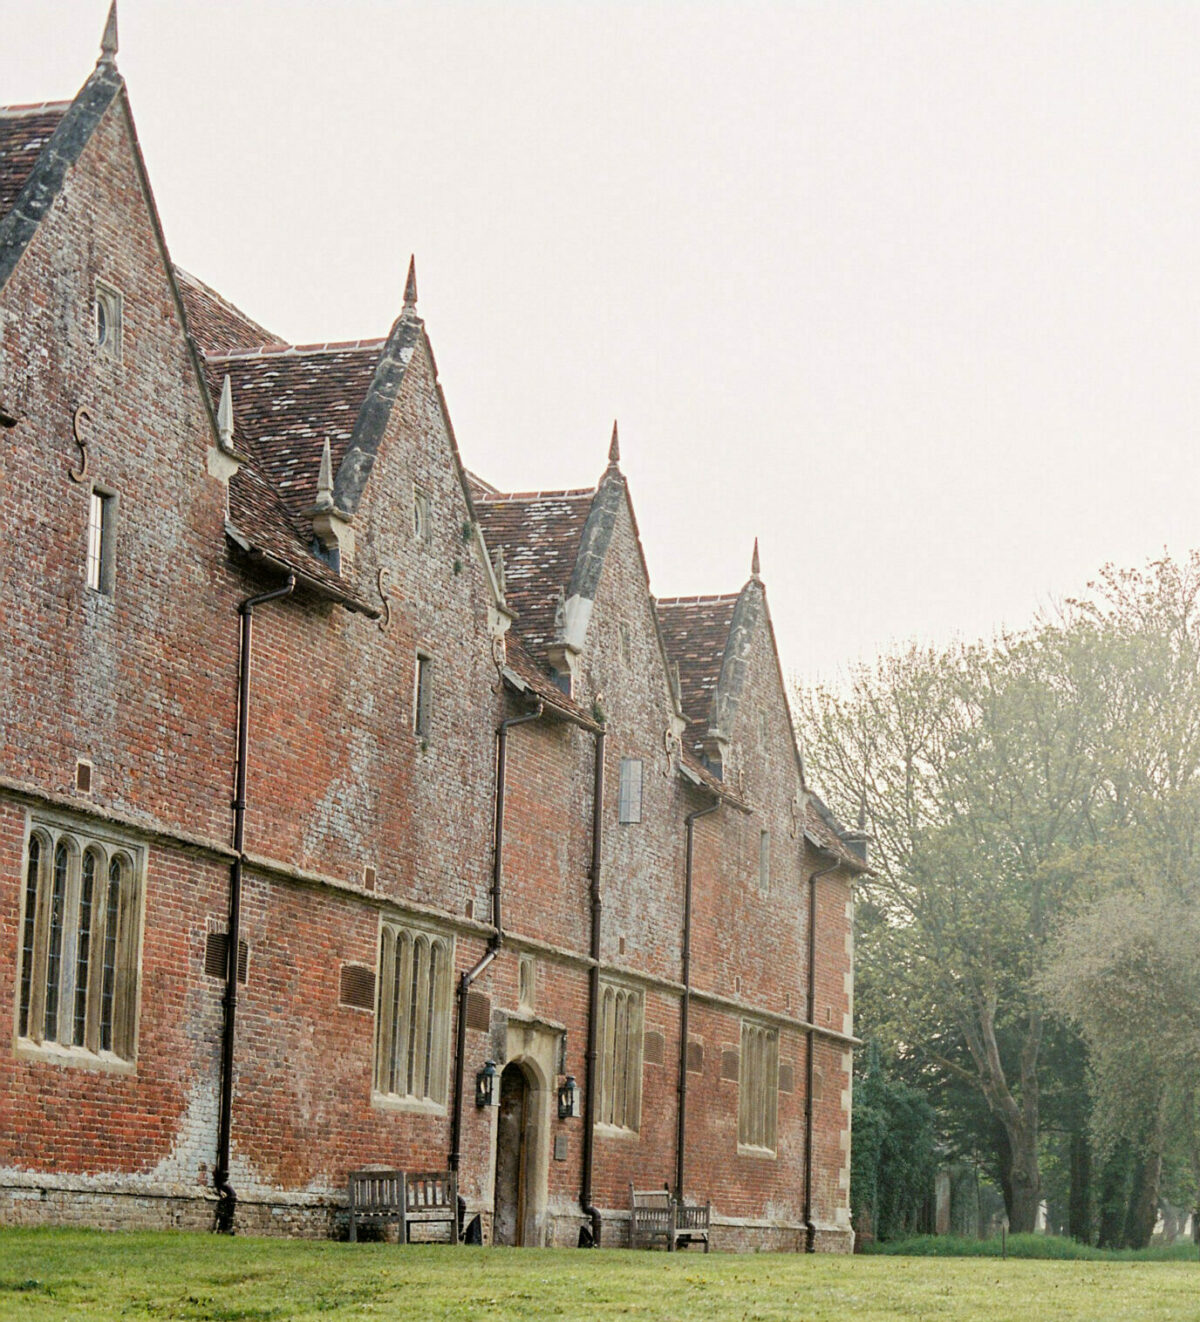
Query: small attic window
[(109, 323), (422, 516), (423, 697)]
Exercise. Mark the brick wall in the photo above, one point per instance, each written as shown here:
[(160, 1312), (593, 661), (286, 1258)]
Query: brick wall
[(142, 683)]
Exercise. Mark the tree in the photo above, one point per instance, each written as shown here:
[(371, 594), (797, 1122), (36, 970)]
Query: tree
[(892, 1167), (972, 769)]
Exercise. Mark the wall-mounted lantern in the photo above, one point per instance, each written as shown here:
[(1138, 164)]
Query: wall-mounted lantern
[(485, 1085), (568, 1099)]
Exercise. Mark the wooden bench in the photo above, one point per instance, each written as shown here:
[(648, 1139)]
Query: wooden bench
[(403, 1198), (656, 1218)]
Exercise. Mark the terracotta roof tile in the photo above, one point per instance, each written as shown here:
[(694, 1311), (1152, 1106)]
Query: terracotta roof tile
[(24, 131), (821, 824), (523, 665), (540, 534), (695, 631), (216, 325), (257, 516), (286, 401)]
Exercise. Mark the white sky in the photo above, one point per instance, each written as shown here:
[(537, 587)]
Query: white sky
[(907, 290)]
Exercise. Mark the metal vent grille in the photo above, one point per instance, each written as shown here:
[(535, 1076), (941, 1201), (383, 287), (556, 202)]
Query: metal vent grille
[(216, 945), (357, 988), (786, 1081), (652, 1048), (695, 1057), (729, 1065), (479, 1011), (369, 878), (83, 777)]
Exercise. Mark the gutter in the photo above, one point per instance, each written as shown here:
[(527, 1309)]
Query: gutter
[(685, 1003), (228, 1203), (497, 938), (589, 1083), (810, 1229)]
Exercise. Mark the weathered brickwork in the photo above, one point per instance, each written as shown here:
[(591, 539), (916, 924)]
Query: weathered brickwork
[(373, 799)]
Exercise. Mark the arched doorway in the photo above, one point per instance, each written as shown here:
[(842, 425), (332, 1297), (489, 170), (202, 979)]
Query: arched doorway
[(513, 1124)]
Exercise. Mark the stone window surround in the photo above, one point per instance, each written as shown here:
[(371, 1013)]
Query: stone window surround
[(108, 319), (82, 834), (423, 669), (629, 791), (433, 1014), (100, 560), (758, 1090), (620, 1112)]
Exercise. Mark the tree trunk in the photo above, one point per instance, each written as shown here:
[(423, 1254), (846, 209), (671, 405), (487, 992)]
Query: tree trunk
[(1079, 1208), (1147, 1176), (1114, 1197), (1143, 1201)]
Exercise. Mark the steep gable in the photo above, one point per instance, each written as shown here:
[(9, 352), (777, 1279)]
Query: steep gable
[(41, 176)]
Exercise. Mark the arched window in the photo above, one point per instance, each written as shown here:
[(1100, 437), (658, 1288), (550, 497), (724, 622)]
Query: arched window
[(33, 887), (79, 944), (413, 1016), (54, 948), (92, 864), (620, 1073), (758, 1086)]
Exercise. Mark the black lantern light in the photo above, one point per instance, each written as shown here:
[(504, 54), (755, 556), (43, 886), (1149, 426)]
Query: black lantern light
[(485, 1085), (568, 1099)]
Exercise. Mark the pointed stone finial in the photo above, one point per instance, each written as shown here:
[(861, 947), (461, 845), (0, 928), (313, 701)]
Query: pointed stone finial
[(108, 42), (225, 416), (754, 564), (410, 285), (614, 448), (325, 479)]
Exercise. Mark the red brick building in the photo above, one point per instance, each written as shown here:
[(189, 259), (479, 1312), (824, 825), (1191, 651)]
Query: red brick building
[(281, 677)]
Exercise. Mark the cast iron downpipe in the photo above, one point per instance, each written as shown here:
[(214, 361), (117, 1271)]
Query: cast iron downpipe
[(685, 1003), (225, 1208), (589, 1082), (497, 938), (810, 1229)]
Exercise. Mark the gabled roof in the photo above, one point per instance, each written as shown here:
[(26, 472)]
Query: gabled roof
[(24, 131), (827, 833), (287, 400), (539, 532), (215, 324), (39, 163), (695, 631), (259, 525)]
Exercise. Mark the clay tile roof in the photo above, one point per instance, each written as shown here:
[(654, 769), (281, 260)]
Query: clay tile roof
[(823, 827), (216, 325), (24, 131), (523, 665), (480, 489), (287, 400), (540, 532), (257, 517), (695, 631)]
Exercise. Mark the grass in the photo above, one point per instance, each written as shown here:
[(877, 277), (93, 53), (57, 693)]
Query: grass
[(91, 1275), (1032, 1246)]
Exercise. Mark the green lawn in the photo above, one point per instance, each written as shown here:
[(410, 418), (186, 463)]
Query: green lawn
[(85, 1274)]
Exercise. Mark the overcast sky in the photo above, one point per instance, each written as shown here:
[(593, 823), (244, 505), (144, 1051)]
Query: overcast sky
[(909, 291)]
